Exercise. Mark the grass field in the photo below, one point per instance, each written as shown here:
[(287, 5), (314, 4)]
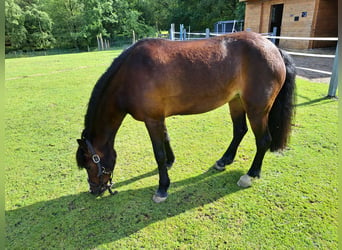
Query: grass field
[(293, 205)]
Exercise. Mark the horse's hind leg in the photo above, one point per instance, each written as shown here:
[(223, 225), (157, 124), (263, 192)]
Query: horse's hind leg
[(263, 141), (238, 116), (157, 130)]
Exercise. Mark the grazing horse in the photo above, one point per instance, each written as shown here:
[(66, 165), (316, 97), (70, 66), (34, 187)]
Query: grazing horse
[(157, 78)]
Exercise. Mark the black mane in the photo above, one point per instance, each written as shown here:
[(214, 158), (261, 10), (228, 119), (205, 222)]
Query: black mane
[(99, 89)]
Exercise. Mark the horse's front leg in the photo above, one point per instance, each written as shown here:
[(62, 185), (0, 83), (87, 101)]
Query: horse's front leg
[(157, 130), (169, 153)]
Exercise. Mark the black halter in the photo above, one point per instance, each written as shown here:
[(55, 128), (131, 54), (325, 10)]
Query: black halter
[(101, 171)]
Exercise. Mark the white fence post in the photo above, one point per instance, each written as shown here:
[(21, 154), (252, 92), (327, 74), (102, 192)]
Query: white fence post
[(207, 33), (133, 37), (334, 76), (172, 32), (101, 41), (181, 30), (189, 33), (98, 43), (274, 33)]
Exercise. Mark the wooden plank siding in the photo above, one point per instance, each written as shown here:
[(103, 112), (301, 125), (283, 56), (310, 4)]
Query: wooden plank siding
[(326, 24), (301, 18)]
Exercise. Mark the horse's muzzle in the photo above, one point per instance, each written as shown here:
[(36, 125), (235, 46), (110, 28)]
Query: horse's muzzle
[(99, 190)]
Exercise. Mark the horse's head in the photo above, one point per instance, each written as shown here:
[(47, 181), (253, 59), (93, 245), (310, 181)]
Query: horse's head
[(99, 165)]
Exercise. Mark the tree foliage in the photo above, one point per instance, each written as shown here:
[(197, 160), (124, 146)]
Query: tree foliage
[(201, 14), (38, 25), (78, 22), (15, 32), (41, 24), (27, 26)]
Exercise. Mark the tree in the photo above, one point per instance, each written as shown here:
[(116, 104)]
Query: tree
[(39, 26), (67, 17), (27, 27), (130, 19), (155, 13), (78, 22), (100, 16), (201, 14), (15, 32)]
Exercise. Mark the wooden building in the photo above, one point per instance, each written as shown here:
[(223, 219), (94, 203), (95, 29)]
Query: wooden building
[(294, 18)]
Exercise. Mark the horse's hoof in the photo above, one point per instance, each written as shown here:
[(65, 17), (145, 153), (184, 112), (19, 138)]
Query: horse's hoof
[(245, 181), (218, 167), (158, 199)]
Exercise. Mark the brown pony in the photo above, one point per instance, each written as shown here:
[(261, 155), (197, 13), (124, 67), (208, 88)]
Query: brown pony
[(157, 78)]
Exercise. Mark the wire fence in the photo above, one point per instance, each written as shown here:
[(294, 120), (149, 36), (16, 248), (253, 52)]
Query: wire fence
[(120, 43)]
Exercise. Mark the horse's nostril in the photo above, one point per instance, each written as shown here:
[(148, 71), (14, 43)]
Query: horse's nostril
[(97, 191), (94, 191)]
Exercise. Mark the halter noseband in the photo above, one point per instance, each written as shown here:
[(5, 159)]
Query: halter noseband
[(101, 171)]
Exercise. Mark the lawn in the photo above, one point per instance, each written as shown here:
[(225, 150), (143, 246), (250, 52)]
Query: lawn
[(293, 205)]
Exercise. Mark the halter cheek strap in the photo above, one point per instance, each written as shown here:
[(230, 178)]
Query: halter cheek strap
[(96, 159), (101, 170)]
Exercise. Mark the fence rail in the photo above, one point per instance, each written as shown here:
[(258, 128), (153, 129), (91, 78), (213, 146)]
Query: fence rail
[(310, 55), (315, 70), (303, 38)]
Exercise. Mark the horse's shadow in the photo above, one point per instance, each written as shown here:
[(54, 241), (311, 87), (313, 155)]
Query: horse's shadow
[(112, 217)]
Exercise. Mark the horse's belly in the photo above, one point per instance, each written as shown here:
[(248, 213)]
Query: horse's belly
[(195, 104)]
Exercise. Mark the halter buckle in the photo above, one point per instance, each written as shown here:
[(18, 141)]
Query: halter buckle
[(96, 158)]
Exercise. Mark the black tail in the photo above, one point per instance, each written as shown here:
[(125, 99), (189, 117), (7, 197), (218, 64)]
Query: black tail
[(282, 112)]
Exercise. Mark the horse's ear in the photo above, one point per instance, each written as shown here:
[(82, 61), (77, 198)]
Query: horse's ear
[(82, 143)]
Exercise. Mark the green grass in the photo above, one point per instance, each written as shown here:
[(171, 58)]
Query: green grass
[(293, 205)]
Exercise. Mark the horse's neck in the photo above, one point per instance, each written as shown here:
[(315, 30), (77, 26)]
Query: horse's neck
[(103, 133), (104, 117)]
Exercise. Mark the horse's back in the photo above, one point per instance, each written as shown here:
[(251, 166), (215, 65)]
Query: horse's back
[(164, 78)]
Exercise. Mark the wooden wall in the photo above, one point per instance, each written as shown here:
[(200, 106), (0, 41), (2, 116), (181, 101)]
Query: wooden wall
[(301, 18), (326, 24)]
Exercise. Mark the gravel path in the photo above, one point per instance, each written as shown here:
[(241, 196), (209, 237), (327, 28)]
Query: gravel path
[(324, 64)]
